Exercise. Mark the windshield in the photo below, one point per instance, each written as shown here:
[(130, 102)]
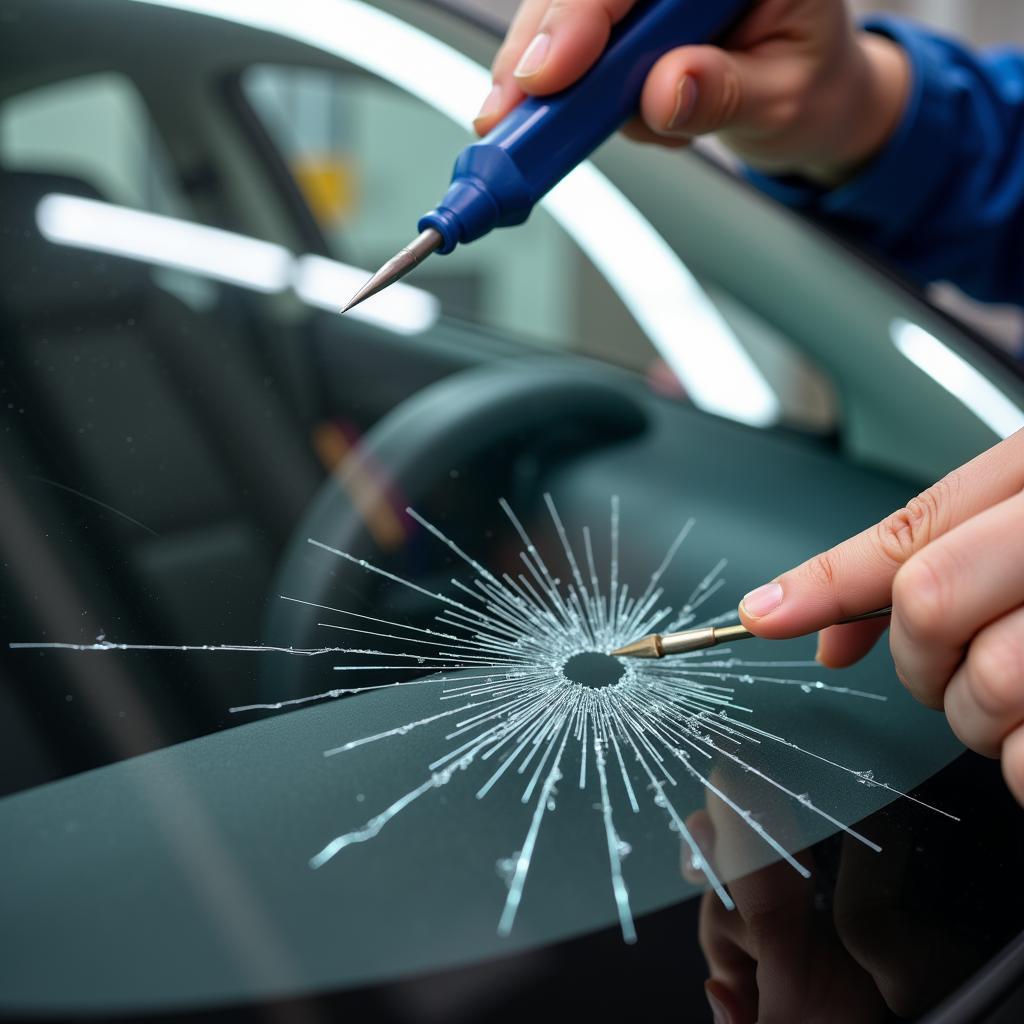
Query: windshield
[(307, 619)]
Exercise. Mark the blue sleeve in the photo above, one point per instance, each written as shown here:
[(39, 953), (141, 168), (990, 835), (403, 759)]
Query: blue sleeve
[(944, 200)]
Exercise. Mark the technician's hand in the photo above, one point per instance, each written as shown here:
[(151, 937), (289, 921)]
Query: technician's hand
[(952, 564), (796, 87)]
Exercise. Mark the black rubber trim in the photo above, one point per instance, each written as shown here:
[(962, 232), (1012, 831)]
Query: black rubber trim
[(270, 158)]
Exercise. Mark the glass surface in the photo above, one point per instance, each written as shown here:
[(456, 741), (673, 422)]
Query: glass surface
[(182, 410), (94, 127)]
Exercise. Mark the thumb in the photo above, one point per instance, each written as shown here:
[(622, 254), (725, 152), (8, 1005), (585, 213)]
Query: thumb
[(857, 576), (696, 90)]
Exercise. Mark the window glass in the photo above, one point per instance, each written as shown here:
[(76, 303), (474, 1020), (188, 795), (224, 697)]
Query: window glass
[(369, 157), (95, 128)]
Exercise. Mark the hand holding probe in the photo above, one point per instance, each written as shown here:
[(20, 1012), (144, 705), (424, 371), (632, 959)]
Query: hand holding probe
[(658, 645), (498, 180)]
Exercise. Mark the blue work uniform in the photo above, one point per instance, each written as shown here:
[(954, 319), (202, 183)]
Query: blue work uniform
[(944, 199)]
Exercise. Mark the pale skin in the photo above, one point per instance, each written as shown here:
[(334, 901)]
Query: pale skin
[(796, 88)]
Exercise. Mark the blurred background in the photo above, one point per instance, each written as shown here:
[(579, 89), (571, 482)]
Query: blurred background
[(984, 21)]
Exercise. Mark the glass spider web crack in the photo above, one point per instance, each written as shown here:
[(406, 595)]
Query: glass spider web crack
[(502, 647)]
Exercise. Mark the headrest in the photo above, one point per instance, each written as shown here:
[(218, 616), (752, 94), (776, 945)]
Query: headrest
[(40, 279)]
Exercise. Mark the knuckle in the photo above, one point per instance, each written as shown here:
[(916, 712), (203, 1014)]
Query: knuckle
[(557, 9), (919, 522), (795, 100), (505, 59), (823, 571), (562, 11), (727, 102), (995, 670), (784, 114)]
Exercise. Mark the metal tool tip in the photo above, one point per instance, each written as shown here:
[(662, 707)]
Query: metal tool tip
[(645, 647), (398, 266), (355, 300), (377, 283)]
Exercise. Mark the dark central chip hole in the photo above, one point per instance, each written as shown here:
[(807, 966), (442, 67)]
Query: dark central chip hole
[(593, 669)]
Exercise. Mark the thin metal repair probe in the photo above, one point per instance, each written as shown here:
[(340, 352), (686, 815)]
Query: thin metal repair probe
[(657, 645), (398, 266)]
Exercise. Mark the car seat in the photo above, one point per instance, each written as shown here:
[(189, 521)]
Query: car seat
[(146, 447)]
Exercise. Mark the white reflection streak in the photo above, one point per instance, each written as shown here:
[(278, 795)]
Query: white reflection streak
[(516, 708), (164, 241), (226, 256), (663, 297), (954, 374)]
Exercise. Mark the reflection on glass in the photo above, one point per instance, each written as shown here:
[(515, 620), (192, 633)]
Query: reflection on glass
[(963, 381), (164, 241), (529, 707), (858, 938)]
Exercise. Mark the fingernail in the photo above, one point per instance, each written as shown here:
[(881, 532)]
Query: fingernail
[(491, 105), (534, 56), (686, 100), (718, 1011), (817, 652), (760, 602)]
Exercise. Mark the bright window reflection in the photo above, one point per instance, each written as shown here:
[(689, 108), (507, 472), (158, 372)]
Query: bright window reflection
[(229, 257), (958, 377), (164, 241)]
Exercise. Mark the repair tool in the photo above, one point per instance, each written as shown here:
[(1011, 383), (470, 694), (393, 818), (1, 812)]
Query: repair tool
[(658, 645), (497, 181)]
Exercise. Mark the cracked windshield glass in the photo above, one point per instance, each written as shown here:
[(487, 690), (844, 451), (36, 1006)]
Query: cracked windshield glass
[(335, 646)]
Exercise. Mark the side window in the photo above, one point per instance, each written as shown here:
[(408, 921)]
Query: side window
[(94, 128), (370, 158)]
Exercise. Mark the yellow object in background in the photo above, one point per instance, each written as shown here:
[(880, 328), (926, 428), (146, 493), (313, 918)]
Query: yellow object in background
[(329, 184)]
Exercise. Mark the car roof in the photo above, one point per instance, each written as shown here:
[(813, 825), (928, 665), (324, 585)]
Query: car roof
[(49, 40)]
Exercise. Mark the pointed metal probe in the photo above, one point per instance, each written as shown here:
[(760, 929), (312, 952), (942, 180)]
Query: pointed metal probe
[(398, 266), (658, 645)]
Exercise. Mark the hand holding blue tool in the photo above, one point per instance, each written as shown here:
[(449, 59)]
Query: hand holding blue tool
[(794, 87), (799, 90), (497, 181)]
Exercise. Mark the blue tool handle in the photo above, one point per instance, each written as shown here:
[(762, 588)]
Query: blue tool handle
[(497, 181)]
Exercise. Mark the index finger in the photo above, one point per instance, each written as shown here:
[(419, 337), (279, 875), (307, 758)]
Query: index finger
[(857, 576)]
